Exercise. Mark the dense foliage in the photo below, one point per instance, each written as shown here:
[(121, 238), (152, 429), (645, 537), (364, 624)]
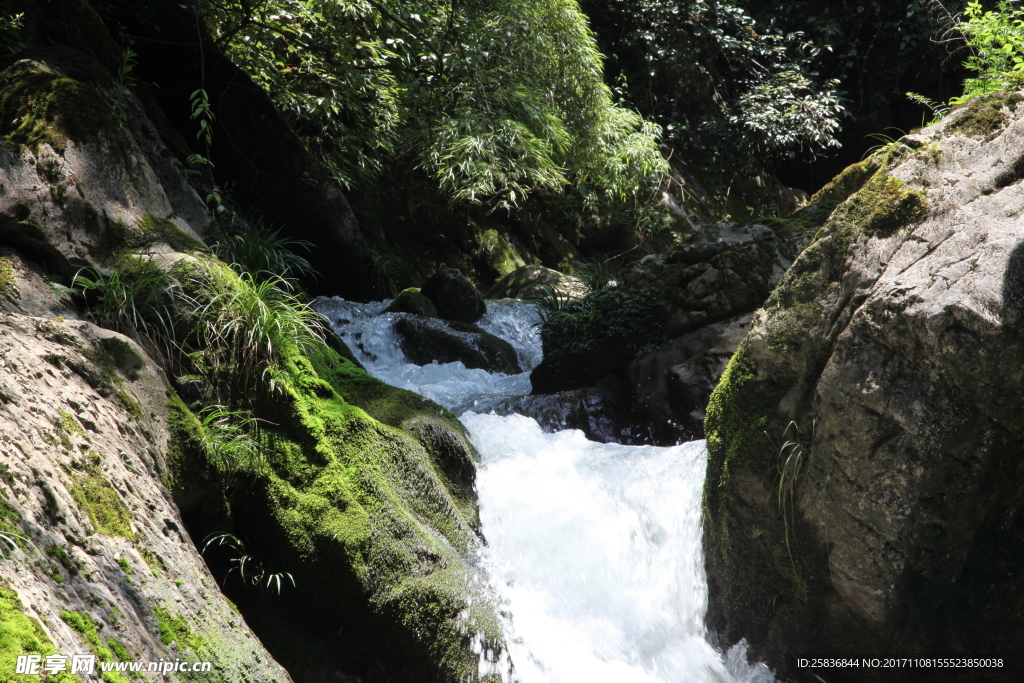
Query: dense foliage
[(491, 100), (996, 41), (877, 50), (726, 90)]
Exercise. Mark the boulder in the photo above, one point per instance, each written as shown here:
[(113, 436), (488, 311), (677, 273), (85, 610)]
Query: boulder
[(723, 271), (671, 386), (865, 482), (411, 300), (532, 282), (454, 296), (426, 340)]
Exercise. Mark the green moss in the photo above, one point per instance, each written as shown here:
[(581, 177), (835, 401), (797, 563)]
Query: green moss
[(881, 207), (151, 559), (494, 250), (84, 625), (174, 629), (122, 654), (102, 503), (22, 635), (850, 180), (124, 565), (41, 105), (7, 275), (69, 424), (119, 238), (59, 553), (411, 301), (984, 116), (729, 427)]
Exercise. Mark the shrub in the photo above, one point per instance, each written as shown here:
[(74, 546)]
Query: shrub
[(996, 40)]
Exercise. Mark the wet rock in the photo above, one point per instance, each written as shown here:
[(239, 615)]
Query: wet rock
[(426, 340), (454, 296), (671, 386), (412, 300), (531, 282)]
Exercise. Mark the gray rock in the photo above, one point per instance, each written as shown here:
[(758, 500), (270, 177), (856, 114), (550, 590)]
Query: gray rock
[(891, 358), (83, 440), (426, 340), (672, 385), (454, 296)]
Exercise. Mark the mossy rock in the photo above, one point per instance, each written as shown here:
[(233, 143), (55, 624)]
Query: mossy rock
[(21, 634), (368, 503), (48, 99), (984, 116), (411, 301), (767, 569)]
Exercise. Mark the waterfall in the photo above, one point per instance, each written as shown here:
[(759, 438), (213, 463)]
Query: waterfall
[(594, 549)]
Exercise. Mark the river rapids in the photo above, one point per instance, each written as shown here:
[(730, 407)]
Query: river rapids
[(593, 549)]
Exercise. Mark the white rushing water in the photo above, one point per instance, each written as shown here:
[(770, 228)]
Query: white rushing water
[(594, 549)]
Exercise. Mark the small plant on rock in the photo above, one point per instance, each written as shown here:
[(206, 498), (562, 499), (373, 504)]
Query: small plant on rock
[(253, 319), (136, 299)]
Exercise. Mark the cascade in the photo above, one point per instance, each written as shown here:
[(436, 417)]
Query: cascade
[(593, 549)]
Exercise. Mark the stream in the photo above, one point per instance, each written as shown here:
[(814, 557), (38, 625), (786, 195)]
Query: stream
[(594, 549)]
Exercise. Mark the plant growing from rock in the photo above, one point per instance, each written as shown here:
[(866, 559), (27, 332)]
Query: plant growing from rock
[(996, 40), (249, 568), (251, 319), (258, 248), (137, 298), (228, 439)]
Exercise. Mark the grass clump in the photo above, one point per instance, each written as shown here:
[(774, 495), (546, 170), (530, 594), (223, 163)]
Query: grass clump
[(137, 299), (250, 319), (254, 247)]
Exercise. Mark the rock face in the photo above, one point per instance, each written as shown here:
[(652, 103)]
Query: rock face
[(891, 358), (672, 385), (666, 329), (454, 296), (425, 340), (83, 452), (361, 493)]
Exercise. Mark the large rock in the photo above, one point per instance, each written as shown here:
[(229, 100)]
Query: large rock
[(427, 340), (724, 271), (671, 386), (891, 359), (85, 454), (360, 492), (454, 296)]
